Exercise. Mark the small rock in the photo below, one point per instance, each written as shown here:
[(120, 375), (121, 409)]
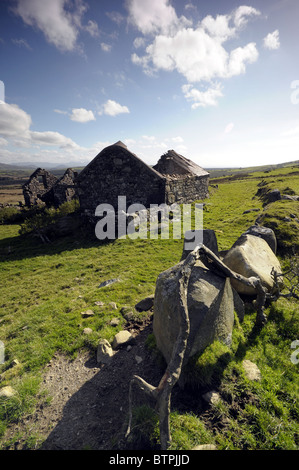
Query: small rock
[(205, 447), (99, 303), (138, 359), (104, 352), (88, 313), (114, 322), (121, 338), (87, 331), (113, 305), (251, 370), (129, 347), (108, 282), (7, 391), (211, 397), (145, 304)]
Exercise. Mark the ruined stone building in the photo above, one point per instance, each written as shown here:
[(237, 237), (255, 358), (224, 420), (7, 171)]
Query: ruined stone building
[(43, 187), (116, 171)]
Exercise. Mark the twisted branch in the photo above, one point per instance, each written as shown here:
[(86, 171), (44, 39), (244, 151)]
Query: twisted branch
[(162, 393)]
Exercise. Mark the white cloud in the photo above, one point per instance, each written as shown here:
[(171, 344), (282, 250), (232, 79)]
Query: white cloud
[(239, 57), (242, 13), (156, 16), (58, 25), (139, 42), (106, 47), (112, 108), (13, 120), (92, 28), (202, 98), (22, 43), (271, 41), (59, 111), (82, 115), (59, 20), (196, 53), (53, 138), (115, 16)]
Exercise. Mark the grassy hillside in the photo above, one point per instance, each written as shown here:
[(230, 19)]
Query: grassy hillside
[(45, 287)]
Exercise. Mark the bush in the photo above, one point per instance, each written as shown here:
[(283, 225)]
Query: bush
[(10, 215)]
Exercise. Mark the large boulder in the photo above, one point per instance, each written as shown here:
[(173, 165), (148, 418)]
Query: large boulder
[(210, 303), (266, 233), (251, 256)]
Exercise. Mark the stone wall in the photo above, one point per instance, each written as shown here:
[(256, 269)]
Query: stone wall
[(43, 187), (39, 183), (117, 172), (187, 189)]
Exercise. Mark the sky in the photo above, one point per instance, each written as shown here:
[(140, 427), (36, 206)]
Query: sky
[(217, 80)]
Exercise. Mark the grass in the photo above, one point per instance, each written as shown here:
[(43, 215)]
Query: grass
[(45, 287)]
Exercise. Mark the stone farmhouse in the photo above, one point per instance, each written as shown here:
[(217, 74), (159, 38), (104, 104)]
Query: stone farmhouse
[(116, 171)]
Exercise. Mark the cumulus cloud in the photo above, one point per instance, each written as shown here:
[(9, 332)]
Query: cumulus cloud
[(13, 120), (156, 16), (82, 115), (59, 20), (53, 138), (198, 53), (271, 41), (112, 108), (202, 98), (92, 28), (106, 47)]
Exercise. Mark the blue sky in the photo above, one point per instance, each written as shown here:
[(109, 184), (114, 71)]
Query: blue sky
[(217, 80)]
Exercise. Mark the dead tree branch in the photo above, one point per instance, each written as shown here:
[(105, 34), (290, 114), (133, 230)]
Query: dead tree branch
[(162, 393)]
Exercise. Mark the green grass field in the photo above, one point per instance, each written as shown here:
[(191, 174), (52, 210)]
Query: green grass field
[(45, 287)]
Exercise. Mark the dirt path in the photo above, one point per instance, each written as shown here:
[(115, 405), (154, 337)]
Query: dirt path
[(89, 406)]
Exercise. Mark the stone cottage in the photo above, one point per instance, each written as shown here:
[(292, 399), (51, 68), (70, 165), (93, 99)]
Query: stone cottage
[(116, 171), (43, 187)]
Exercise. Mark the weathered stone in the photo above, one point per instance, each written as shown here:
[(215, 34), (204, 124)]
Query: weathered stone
[(43, 187), (116, 171), (87, 313), (252, 372), (114, 322), (195, 237), (7, 391), (211, 397), (210, 305), (104, 352), (145, 304), (108, 282), (87, 331), (138, 359), (266, 233), (122, 338), (273, 195), (113, 305), (251, 256)]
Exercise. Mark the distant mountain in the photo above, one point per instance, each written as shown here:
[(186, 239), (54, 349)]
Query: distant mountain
[(26, 166)]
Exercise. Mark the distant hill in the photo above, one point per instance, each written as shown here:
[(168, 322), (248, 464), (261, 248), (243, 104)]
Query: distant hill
[(218, 172), (28, 167)]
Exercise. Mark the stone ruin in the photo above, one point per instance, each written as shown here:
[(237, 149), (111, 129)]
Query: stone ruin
[(116, 171), (45, 188)]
